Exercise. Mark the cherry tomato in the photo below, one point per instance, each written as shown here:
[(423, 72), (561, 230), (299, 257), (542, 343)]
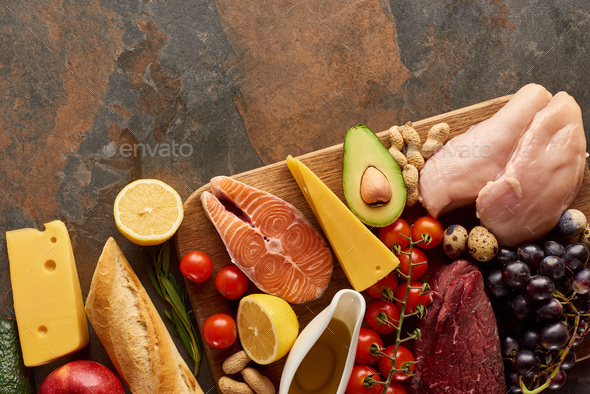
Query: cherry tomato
[(231, 282), (414, 297), (431, 229), (418, 257), (402, 356), (219, 331), (388, 282), (196, 266), (357, 378), (376, 322), (396, 388), (393, 234), (363, 355)]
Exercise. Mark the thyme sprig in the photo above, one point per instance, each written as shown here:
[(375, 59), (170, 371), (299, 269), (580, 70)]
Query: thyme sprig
[(168, 288), (416, 334)]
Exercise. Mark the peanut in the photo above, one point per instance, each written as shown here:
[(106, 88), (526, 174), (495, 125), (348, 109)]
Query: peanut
[(409, 134), (415, 157), (410, 174), (412, 140), (437, 136), (399, 157), (397, 141), (258, 382), (397, 144), (229, 386), (235, 363)]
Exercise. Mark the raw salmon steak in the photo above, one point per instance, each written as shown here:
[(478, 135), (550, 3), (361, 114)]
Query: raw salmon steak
[(269, 240)]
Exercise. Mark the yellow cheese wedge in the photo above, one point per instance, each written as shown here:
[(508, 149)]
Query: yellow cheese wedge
[(46, 290), (363, 257)]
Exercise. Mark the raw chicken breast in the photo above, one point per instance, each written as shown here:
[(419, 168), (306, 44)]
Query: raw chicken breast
[(453, 177), (542, 177)]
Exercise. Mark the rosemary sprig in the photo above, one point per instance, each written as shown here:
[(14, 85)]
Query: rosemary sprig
[(168, 288)]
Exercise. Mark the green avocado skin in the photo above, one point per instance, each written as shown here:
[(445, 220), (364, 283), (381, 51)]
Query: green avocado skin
[(363, 149), (14, 376)]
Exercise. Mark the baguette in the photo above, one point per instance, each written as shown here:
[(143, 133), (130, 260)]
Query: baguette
[(132, 331)]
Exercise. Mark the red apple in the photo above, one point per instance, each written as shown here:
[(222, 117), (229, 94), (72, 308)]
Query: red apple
[(82, 376)]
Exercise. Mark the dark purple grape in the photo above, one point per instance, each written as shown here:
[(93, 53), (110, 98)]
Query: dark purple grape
[(552, 267), (531, 254), (553, 335), (528, 338), (516, 273), (552, 248), (558, 380), (509, 342), (522, 308), (581, 302), (513, 382), (583, 325), (578, 341), (575, 257), (495, 284), (581, 281), (514, 390), (505, 255), (569, 360), (526, 363), (540, 288), (551, 310)]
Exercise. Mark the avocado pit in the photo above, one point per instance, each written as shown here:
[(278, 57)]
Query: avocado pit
[(375, 188)]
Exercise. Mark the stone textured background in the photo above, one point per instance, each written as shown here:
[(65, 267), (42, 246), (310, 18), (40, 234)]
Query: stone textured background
[(242, 84)]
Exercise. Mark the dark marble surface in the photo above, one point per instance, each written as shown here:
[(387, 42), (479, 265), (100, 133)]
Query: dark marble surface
[(98, 93)]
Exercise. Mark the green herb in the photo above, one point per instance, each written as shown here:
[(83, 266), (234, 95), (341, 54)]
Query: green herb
[(420, 313), (168, 288)]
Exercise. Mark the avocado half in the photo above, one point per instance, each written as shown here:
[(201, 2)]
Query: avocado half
[(362, 150)]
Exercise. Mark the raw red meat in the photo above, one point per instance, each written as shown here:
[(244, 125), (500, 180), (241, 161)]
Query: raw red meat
[(460, 347)]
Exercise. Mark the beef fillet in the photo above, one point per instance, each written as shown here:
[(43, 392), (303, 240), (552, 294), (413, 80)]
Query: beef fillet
[(459, 351)]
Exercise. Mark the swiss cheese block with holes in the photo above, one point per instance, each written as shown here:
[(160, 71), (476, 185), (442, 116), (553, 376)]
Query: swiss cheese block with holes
[(47, 296), (363, 257)]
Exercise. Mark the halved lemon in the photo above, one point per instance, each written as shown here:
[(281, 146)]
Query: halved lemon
[(267, 326), (148, 211)]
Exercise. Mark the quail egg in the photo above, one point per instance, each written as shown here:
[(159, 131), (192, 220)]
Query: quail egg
[(455, 241), (571, 223), (482, 244)]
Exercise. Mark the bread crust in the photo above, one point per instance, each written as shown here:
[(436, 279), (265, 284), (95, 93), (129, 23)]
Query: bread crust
[(131, 330)]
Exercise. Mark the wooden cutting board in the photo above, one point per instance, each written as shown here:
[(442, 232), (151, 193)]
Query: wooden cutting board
[(197, 233)]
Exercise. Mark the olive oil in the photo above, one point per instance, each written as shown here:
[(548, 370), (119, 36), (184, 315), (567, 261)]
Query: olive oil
[(321, 369)]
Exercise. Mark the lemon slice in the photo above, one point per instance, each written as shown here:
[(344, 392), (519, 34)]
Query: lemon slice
[(267, 326), (148, 211)]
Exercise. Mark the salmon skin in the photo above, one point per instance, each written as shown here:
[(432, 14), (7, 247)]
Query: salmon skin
[(269, 240)]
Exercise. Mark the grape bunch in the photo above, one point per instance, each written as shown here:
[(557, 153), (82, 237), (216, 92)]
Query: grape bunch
[(547, 289)]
